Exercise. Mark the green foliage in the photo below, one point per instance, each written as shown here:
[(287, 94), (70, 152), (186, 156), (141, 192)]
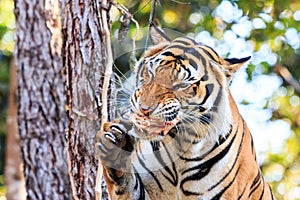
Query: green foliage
[(7, 25), (2, 188), (286, 163)]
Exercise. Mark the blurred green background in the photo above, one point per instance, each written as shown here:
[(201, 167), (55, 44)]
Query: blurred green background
[(7, 28), (266, 30)]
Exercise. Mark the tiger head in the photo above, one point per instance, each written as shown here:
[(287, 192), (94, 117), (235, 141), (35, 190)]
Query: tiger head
[(181, 85)]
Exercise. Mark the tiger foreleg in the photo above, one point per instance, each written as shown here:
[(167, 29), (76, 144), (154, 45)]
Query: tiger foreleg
[(114, 147)]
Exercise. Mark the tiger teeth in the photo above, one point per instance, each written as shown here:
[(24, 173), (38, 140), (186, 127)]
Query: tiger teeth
[(146, 123)]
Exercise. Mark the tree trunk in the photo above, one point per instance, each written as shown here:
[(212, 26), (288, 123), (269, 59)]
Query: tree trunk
[(41, 114), (41, 111), (84, 59)]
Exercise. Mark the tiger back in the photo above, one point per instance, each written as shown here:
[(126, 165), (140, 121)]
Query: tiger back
[(192, 142)]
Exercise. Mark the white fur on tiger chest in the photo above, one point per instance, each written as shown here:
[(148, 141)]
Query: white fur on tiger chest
[(165, 173)]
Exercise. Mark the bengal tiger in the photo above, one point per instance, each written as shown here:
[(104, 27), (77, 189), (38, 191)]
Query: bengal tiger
[(184, 138)]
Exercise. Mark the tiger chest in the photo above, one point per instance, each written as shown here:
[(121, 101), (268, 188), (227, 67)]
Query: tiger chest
[(169, 174)]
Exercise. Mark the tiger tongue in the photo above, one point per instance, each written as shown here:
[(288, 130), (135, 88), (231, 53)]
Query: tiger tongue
[(152, 126), (159, 127), (156, 129)]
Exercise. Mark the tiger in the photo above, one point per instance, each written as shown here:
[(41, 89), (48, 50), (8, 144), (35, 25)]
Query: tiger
[(184, 137)]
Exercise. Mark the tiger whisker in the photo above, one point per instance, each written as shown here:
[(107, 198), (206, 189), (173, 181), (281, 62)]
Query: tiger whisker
[(121, 87)]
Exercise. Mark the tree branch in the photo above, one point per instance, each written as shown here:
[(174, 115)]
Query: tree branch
[(286, 75), (107, 76)]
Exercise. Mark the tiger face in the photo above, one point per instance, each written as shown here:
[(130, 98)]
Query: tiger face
[(181, 85)]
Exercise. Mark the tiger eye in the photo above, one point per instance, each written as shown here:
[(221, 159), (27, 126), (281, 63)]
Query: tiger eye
[(180, 86)]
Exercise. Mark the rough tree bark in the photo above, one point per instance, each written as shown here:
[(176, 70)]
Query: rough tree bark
[(56, 168), (84, 59), (41, 114)]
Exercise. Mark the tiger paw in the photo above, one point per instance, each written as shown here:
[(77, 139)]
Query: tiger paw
[(114, 147)]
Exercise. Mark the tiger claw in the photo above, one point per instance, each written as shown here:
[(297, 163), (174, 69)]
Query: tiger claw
[(113, 143), (112, 138)]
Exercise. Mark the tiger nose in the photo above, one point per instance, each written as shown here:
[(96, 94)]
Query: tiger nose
[(145, 110)]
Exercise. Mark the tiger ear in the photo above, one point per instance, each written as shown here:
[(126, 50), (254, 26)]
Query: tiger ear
[(157, 35), (232, 65)]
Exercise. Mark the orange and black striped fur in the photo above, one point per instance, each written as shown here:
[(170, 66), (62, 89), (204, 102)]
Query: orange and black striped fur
[(184, 138)]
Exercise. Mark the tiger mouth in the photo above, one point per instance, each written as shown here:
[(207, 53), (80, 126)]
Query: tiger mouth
[(152, 126)]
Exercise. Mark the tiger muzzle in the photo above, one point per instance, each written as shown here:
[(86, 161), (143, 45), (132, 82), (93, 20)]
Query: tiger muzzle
[(159, 121)]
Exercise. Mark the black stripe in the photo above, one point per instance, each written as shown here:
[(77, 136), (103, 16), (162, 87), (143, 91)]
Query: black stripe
[(271, 192), (201, 157), (218, 196), (176, 46), (205, 63), (235, 160), (188, 193), (263, 189), (178, 60), (164, 62), (192, 40), (131, 100), (149, 171), (209, 88), (256, 179), (138, 150), (187, 70), (198, 61), (171, 54), (155, 145), (140, 183), (172, 133), (192, 79), (206, 118), (174, 179), (139, 68), (241, 195), (204, 168), (204, 78), (136, 179), (209, 163), (252, 147), (187, 50), (255, 188), (187, 38), (178, 40), (173, 165), (209, 54), (194, 52), (193, 64), (201, 109), (182, 42), (217, 99)]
